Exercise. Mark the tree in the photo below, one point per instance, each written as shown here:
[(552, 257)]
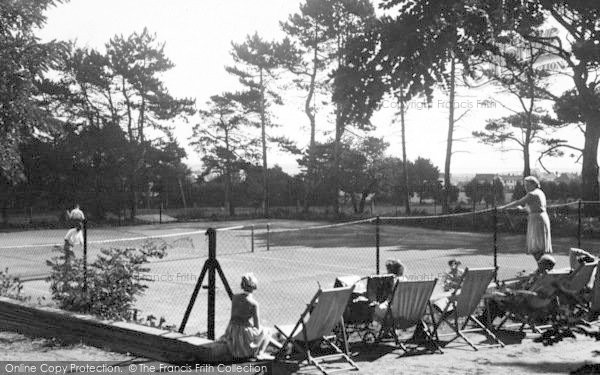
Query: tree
[(522, 129), (436, 45), (578, 50), (137, 63), (361, 169), (308, 60), (24, 62), (222, 141), (347, 21), (257, 62), (424, 178)]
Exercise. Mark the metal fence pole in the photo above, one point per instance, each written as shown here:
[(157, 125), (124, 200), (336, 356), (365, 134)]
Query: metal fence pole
[(252, 238), (160, 210), (579, 224), (85, 243), (212, 256), (495, 243), (377, 253), (268, 235)]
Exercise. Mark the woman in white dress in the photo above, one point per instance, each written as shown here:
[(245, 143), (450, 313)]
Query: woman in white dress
[(539, 240)]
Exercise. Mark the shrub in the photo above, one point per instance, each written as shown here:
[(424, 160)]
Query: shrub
[(11, 286), (114, 280)]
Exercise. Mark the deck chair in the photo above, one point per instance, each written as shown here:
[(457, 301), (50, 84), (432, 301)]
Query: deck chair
[(380, 287), (595, 299), (406, 309), (527, 307), (462, 305), (580, 277), (575, 292), (316, 325)]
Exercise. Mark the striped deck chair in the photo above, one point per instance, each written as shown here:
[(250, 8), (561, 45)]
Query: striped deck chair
[(406, 309), (316, 326), (462, 305)]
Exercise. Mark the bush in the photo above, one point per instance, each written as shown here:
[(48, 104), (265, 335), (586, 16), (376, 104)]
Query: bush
[(114, 280), (11, 287)]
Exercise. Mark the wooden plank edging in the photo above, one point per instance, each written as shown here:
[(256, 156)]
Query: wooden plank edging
[(121, 337)]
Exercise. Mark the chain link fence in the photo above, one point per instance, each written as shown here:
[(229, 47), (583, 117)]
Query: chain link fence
[(292, 259)]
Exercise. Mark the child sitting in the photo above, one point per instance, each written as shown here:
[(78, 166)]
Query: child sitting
[(453, 277)]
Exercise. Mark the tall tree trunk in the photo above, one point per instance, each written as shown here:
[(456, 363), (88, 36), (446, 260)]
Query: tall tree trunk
[(228, 206), (527, 142), (526, 167), (447, 183), (183, 200), (263, 120), (311, 183), (589, 170), (337, 150), (404, 163)]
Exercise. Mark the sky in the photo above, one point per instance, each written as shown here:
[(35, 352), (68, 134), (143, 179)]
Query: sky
[(198, 36)]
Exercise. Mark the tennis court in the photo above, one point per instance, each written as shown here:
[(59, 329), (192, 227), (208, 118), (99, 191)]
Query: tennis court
[(290, 258)]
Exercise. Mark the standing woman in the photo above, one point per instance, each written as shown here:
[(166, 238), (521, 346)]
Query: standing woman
[(538, 222)]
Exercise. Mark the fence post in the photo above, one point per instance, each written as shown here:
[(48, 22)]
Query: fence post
[(377, 254), (252, 238), (85, 243), (579, 224), (212, 256), (268, 235), (495, 243), (160, 210)]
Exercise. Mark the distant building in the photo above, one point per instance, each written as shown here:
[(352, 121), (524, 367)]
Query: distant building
[(485, 177), (510, 181)]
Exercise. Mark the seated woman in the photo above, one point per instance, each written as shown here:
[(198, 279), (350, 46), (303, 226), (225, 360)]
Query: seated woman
[(395, 268), (523, 292), (244, 335)]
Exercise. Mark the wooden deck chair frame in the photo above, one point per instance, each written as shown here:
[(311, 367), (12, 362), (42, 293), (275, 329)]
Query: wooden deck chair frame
[(523, 319), (462, 305), (308, 330), (407, 307)]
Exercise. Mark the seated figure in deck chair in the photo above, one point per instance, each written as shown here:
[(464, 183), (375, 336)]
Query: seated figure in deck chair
[(528, 292), (395, 268), (550, 292)]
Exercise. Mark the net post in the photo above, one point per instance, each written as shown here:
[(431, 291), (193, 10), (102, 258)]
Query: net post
[(268, 235), (212, 257), (579, 224), (377, 251), (252, 238)]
